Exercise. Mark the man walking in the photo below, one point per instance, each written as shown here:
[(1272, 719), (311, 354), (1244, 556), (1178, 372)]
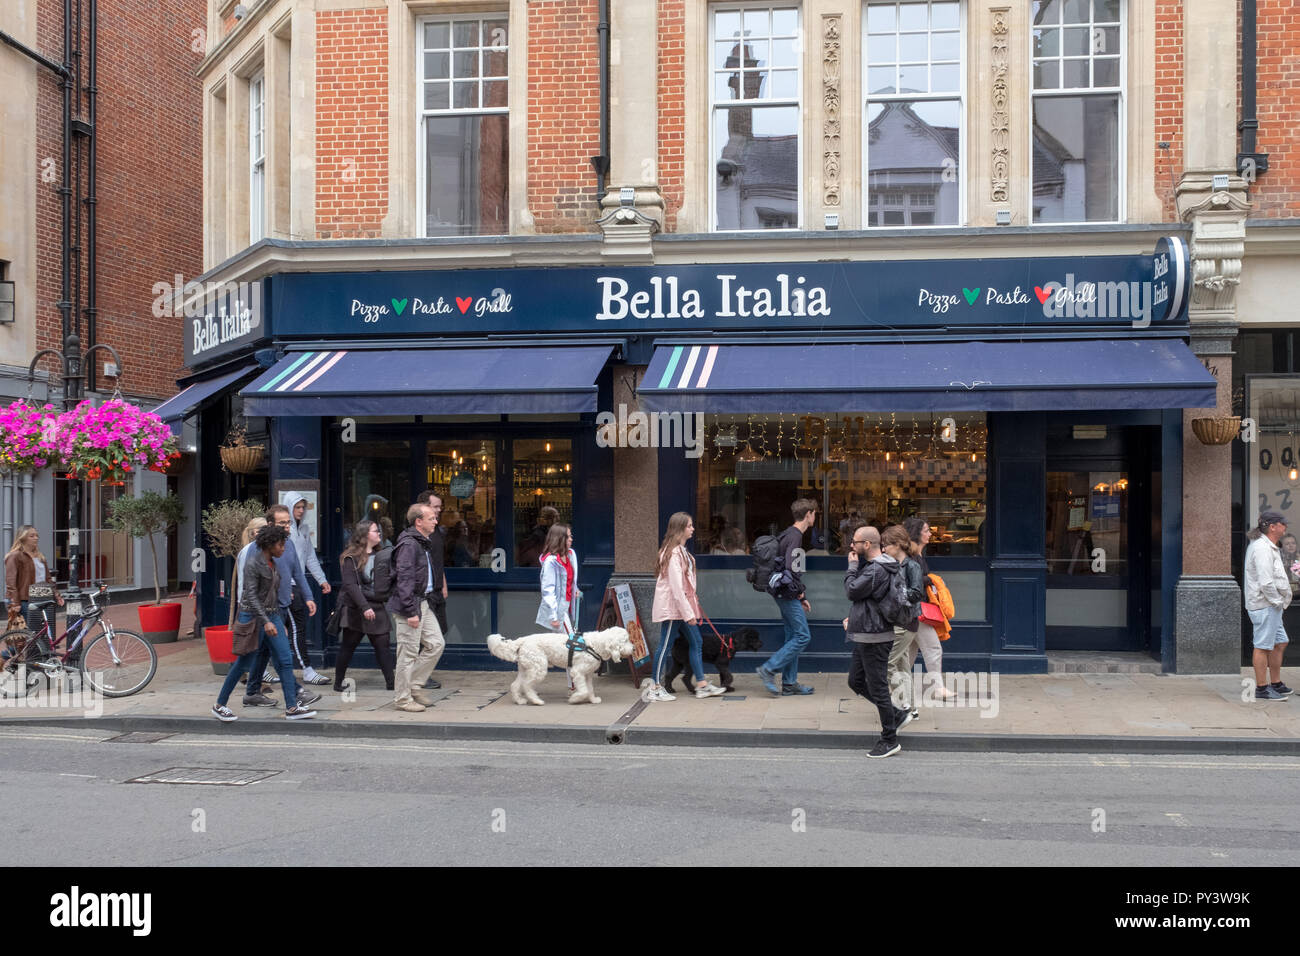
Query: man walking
[(793, 606), (419, 638), (300, 535), (1267, 593)]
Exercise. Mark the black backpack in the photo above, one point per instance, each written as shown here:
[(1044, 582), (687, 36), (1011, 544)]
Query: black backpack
[(381, 576), (894, 605), (768, 574)]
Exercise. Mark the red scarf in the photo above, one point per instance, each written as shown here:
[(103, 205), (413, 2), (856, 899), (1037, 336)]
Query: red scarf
[(568, 578)]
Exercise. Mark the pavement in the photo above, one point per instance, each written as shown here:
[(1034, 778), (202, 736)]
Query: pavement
[(1056, 712)]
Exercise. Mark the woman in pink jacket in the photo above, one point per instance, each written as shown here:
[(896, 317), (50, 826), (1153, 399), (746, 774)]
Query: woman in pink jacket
[(676, 603)]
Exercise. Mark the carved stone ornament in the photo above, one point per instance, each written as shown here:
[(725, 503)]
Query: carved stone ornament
[(1000, 120), (831, 107)]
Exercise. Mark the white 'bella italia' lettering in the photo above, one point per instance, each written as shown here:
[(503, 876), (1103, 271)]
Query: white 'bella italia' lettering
[(665, 299)]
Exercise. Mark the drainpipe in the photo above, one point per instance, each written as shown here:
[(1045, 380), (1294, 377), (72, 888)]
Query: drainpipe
[(92, 310), (601, 163), (1249, 163)]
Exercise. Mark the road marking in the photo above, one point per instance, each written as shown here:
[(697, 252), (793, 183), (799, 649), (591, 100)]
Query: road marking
[(1178, 819), (88, 776)]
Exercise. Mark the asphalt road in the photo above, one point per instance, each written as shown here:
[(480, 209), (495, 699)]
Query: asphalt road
[(350, 802)]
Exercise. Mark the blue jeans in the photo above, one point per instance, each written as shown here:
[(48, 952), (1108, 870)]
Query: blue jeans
[(797, 637), (667, 638), (279, 647)]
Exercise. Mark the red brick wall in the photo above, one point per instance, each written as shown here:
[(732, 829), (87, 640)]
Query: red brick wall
[(149, 182), (672, 108), (563, 114), (1276, 194), (1168, 103), (351, 123)]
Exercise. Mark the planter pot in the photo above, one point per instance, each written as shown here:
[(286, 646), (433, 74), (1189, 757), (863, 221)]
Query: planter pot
[(242, 459), (1216, 431), (220, 640), (160, 623)]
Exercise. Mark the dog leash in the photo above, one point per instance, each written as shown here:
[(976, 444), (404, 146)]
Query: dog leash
[(727, 643)]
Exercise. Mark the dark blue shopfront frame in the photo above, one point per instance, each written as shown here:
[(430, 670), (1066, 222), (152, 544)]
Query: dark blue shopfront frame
[(966, 376)]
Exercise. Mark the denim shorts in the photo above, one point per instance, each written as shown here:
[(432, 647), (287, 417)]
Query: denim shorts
[(1269, 631)]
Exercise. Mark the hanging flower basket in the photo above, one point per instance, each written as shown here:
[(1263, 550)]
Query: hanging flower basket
[(242, 459), (28, 439), (110, 442), (1216, 431)]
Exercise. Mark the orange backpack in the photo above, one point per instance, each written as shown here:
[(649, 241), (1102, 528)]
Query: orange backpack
[(936, 592)]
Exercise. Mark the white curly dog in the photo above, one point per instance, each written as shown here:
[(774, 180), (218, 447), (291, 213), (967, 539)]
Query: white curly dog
[(536, 652)]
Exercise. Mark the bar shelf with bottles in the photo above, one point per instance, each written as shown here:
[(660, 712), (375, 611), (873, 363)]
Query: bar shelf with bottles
[(541, 484)]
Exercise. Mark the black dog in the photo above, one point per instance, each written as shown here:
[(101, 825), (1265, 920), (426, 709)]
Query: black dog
[(714, 652)]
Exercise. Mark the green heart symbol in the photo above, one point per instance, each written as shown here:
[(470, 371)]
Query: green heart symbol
[(400, 305), (971, 295)]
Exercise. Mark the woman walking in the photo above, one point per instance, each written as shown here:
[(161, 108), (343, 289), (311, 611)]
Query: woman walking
[(559, 577), (26, 570), (677, 606), (259, 604), (925, 637), (362, 614)]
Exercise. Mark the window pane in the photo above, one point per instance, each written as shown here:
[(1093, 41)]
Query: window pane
[(1105, 41), (1076, 11), (913, 16), (756, 53), (1074, 74), (1105, 11), (784, 54), (726, 53), (464, 95), (463, 475), (435, 66), (785, 22), (945, 46), (882, 18), (882, 49), (944, 16), (465, 33), (466, 64), (1047, 11), (913, 79), (496, 93), (727, 24), (912, 152), (945, 78), (1105, 71), (785, 84), (1047, 42), (1087, 510), (377, 485), (881, 79), (436, 95), (496, 34), (756, 159), (436, 35), (756, 22), (913, 48), (726, 86), (496, 63), (1078, 41), (1047, 75), (466, 175), (1076, 158), (543, 495)]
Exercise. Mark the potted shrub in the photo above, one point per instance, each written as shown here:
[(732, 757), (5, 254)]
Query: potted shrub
[(224, 524), (144, 517)]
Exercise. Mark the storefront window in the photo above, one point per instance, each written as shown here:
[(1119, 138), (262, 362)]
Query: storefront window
[(106, 555), (376, 484), (1087, 523), (463, 474), (877, 468), (543, 493)]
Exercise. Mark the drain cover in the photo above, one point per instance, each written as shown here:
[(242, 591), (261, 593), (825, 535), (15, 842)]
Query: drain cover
[(218, 776), (138, 737)]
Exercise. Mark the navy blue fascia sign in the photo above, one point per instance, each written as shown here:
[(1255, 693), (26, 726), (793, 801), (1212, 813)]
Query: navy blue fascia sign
[(1116, 292)]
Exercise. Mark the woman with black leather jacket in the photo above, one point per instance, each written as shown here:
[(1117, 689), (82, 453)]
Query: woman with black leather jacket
[(363, 615)]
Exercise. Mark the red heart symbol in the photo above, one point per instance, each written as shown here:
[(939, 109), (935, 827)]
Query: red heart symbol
[(1042, 294), (464, 304)]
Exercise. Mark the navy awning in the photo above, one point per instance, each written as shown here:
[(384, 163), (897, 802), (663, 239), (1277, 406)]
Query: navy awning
[(492, 380), (957, 376), (183, 404)]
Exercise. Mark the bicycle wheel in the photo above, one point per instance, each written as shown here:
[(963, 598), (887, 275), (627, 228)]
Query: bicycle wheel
[(121, 674), (17, 677)]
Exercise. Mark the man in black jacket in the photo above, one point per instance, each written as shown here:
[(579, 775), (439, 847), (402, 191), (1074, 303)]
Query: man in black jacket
[(794, 608), (867, 581), (419, 638)]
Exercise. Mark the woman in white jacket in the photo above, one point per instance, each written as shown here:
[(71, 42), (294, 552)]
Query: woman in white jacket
[(676, 604), (559, 609)]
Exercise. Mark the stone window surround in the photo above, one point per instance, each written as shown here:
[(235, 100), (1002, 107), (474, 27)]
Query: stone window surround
[(1140, 201)]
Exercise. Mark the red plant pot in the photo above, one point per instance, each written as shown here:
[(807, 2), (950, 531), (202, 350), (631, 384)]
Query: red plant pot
[(221, 641), (160, 623)]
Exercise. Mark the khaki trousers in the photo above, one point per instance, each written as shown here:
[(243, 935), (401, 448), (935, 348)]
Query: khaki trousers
[(418, 651)]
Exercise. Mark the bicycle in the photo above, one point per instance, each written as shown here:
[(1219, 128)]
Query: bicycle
[(114, 663)]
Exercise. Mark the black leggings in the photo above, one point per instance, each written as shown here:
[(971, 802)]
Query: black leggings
[(349, 641)]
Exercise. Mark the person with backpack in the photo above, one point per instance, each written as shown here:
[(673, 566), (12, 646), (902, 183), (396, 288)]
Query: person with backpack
[(363, 611), (559, 579), (905, 634), (788, 591), (676, 605), (419, 638), (874, 583)]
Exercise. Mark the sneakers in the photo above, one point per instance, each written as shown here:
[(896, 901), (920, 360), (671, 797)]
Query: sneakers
[(790, 690), (412, 707), (708, 690), (768, 679), (1268, 693), (309, 676), (306, 698), (223, 714), (259, 700), (907, 718), (882, 749), (299, 713), (1281, 688), (431, 684), (422, 699), (660, 695), (270, 677)]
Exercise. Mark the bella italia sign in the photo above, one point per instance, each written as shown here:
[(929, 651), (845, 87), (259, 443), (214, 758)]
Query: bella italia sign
[(1098, 291)]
